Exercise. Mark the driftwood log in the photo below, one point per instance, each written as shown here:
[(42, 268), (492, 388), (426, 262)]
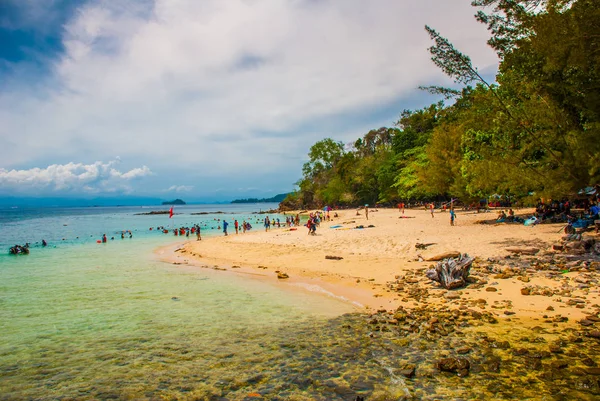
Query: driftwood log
[(452, 272), (524, 251), (443, 256), (418, 245)]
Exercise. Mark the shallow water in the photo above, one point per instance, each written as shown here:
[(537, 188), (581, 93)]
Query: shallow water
[(74, 226), (88, 321), (96, 319)]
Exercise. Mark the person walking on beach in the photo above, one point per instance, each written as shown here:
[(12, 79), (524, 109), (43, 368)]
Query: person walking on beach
[(236, 225), (431, 206), (452, 216), (225, 224), (311, 225), (367, 211), (198, 236), (267, 223)]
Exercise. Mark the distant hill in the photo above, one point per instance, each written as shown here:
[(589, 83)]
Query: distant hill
[(275, 199), (174, 202)]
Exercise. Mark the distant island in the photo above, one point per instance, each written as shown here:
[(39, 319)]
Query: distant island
[(174, 202), (275, 199)]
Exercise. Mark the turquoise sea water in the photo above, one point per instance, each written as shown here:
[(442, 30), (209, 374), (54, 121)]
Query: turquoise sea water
[(87, 321), (82, 320), (66, 226)]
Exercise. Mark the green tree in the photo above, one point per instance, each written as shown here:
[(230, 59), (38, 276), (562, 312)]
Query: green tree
[(410, 145), (543, 111)]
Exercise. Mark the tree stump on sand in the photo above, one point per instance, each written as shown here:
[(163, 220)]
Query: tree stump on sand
[(452, 272)]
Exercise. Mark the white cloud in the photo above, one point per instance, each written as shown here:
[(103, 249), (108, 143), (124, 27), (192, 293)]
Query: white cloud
[(226, 87), (179, 188), (71, 178)]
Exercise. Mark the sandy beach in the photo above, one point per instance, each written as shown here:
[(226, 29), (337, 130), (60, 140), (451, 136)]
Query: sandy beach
[(381, 268)]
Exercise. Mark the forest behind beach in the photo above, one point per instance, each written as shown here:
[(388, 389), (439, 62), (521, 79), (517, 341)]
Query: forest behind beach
[(533, 132)]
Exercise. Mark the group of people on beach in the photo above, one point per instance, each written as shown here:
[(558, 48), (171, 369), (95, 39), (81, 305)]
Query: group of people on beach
[(290, 221), (314, 221), (507, 216), (245, 226)]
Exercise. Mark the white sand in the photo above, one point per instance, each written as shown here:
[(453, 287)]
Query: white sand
[(373, 257)]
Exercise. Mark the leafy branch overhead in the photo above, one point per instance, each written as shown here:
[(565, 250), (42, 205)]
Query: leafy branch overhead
[(531, 133), (455, 64)]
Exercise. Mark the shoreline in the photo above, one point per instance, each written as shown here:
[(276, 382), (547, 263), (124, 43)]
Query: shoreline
[(380, 269), (172, 254)]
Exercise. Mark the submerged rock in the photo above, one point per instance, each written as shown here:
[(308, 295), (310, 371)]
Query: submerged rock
[(408, 371), (460, 366)]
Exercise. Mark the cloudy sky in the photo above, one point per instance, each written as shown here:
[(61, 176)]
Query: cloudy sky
[(205, 99)]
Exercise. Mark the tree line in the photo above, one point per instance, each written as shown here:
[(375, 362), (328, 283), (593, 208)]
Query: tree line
[(532, 133)]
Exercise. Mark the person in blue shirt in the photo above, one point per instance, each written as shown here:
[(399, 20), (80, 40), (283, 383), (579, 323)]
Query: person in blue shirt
[(452, 216), (225, 224)]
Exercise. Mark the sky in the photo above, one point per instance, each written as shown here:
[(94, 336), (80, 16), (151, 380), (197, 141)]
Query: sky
[(206, 99)]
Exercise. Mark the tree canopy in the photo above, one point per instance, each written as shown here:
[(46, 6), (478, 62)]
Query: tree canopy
[(534, 131)]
